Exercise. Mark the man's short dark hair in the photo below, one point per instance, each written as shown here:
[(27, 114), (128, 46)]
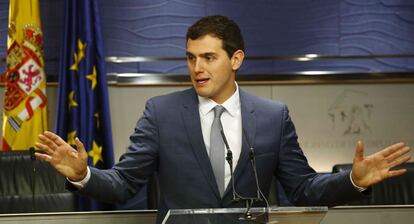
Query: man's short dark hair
[(221, 27)]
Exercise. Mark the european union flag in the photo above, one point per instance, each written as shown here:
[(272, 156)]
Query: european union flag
[(83, 107)]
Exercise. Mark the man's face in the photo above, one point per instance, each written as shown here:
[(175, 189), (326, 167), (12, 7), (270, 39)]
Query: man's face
[(212, 71)]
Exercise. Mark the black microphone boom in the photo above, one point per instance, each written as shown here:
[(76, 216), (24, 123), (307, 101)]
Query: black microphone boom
[(253, 162), (237, 197), (260, 195), (229, 159)]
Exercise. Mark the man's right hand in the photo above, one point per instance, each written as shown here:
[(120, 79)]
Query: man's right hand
[(68, 161)]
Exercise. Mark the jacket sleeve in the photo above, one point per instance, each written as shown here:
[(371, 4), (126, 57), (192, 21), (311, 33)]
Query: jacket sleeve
[(135, 166), (305, 187)]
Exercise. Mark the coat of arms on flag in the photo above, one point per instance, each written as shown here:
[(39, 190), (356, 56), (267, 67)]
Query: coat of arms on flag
[(25, 99)]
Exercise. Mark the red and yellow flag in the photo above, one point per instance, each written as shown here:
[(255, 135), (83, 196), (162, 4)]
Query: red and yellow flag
[(25, 103)]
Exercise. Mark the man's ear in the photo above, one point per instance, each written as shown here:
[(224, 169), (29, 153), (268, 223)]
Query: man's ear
[(237, 59)]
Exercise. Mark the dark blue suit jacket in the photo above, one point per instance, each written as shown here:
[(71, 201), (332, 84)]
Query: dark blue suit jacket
[(168, 139)]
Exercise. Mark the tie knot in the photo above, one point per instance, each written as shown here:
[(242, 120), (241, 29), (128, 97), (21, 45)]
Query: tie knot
[(218, 110)]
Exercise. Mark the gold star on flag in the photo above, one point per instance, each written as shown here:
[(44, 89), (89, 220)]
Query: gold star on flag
[(96, 153), (79, 56), (81, 50), (71, 137), (72, 102), (92, 77), (74, 67)]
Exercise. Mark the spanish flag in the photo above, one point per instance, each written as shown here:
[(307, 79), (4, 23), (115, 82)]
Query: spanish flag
[(25, 103)]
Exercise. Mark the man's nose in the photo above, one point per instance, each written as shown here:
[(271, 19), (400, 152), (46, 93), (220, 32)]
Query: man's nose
[(198, 66)]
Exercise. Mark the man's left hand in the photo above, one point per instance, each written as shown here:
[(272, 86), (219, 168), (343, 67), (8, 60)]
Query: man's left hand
[(372, 169)]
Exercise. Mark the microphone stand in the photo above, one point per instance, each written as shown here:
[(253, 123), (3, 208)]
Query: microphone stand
[(237, 197), (33, 162)]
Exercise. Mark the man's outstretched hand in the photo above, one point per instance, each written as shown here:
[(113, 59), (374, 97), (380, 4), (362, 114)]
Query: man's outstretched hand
[(372, 169), (68, 161)]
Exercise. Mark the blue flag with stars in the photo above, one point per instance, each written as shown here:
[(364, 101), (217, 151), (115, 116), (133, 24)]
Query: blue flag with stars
[(83, 107)]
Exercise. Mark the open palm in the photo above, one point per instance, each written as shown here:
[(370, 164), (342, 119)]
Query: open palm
[(370, 170), (69, 162)]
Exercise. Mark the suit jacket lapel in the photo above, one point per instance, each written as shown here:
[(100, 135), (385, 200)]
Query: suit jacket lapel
[(249, 126), (191, 118)]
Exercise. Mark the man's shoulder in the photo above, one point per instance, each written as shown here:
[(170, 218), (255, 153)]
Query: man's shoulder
[(259, 101), (174, 97)]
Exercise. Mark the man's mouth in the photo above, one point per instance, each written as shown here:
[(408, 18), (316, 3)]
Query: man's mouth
[(202, 80)]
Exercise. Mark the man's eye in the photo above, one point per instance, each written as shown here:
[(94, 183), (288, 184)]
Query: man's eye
[(210, 58)]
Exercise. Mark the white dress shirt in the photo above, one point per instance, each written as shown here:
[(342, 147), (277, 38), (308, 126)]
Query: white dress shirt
[(232, 126)]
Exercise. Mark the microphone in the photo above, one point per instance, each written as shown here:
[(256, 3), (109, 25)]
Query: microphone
[(229, 159), (260, 195), (237, 197)]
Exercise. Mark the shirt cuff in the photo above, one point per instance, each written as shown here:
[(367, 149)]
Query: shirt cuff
[(358, 188), (81, 184)]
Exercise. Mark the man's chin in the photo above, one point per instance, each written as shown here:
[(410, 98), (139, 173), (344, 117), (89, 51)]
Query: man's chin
[(201, 93)]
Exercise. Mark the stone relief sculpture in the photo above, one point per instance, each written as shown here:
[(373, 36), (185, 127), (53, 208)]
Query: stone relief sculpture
[(350, 113)]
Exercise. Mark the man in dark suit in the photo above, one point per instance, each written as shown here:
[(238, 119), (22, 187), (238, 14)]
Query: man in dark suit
[(175, 137)]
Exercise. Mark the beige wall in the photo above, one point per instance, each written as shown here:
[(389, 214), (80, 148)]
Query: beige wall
[(329, 118)]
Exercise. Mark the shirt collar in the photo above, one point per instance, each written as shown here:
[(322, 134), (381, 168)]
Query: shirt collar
[(231, 104)]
